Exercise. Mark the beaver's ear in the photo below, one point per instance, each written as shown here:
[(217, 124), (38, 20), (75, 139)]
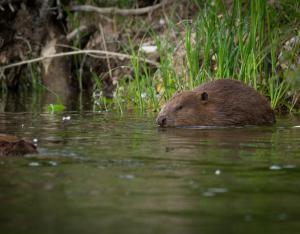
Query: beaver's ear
[(204, 97)]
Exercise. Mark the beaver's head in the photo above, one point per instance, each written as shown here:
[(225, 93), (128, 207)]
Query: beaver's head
[(184, 109)]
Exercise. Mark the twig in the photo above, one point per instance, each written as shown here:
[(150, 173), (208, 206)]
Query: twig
[(105, 47), (76, 31), (88, 52), (81, 72), (118, 11), (77, 49)]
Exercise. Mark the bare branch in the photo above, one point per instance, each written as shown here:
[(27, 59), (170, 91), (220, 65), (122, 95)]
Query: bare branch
[(105, 47), (118, 11), (87, 52)]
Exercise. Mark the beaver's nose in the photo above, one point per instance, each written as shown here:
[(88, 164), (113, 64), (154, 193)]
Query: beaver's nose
[(161, 121)]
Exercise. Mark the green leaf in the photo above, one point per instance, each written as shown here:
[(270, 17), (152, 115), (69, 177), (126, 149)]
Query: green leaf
[(55, 108)]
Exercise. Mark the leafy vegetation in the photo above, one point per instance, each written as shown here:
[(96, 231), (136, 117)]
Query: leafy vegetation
[(256, 42), (243, 41)]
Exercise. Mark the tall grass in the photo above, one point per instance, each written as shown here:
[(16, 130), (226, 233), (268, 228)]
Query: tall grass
[(138, 90), (240, 43)]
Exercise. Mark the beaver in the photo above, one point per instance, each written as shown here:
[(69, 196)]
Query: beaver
[(222, 102), (14, 146)]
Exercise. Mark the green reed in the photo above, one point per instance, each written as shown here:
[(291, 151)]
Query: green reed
[(239, 42)]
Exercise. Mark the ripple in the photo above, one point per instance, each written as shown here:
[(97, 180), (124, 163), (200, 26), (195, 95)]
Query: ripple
[(218, 190), (34, 164), (275, 167), (127, 177), (289, 166)]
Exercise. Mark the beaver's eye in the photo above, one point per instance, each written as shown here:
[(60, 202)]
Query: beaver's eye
[(179, 107)]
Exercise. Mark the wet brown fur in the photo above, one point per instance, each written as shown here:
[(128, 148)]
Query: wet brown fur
[(217, 103), (13, 146)]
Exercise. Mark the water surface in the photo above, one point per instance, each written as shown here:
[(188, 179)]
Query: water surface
[(105, 173)]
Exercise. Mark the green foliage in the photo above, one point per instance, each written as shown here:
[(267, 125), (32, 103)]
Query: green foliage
[(140, 90), (55, 108), (239, 42)]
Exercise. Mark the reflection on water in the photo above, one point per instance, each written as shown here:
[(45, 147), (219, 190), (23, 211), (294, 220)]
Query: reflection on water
[(102, 173)]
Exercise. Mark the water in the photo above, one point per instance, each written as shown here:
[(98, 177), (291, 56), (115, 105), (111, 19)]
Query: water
[(102, 173)]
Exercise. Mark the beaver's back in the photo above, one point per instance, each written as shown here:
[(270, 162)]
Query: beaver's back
[(237, 104)]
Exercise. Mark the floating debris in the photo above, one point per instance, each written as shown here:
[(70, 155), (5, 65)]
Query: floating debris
[(275, 167), (218, 190), (127, 177), (53, 163), (218, 172), (34, 164), (211, 192), (289, 166), (208, 194), (66, 118)]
